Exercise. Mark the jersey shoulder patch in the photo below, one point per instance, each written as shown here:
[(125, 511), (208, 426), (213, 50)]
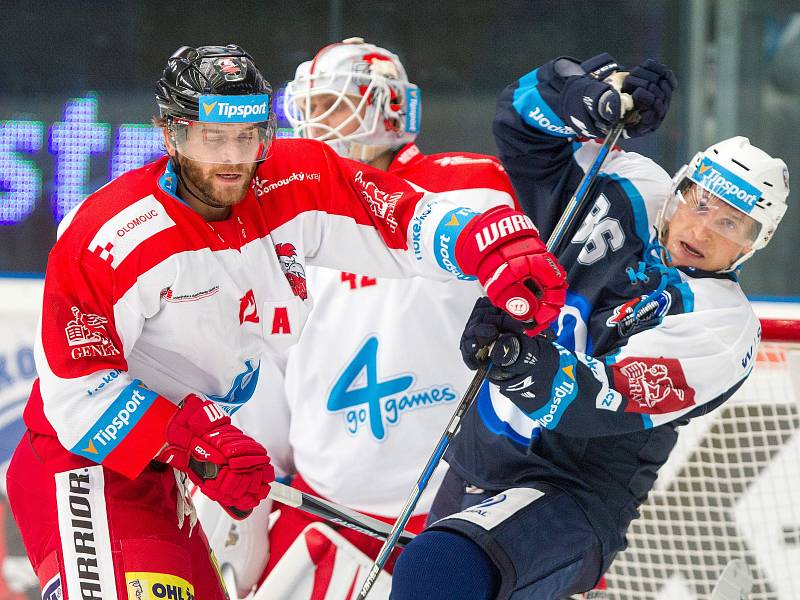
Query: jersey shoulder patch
[(129, 228), (116, 218)]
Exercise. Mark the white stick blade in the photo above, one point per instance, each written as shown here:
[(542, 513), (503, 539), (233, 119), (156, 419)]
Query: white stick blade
[(735, 582), (285, 494)]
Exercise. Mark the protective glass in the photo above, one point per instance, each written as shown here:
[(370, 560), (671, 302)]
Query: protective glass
[(712, 212), (330, 107), (222, 143)]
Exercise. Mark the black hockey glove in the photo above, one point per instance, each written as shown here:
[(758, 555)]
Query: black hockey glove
[(591, 104), (514, 353), (650, 85)]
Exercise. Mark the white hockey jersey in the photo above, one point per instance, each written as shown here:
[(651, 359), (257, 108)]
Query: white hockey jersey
[(376, 374)]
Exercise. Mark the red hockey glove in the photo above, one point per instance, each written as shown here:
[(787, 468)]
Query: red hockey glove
[(226, 464), (502, 248)]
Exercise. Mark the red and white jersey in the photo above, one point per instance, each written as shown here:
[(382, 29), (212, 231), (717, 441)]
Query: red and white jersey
[(146, 302), (377, 373)]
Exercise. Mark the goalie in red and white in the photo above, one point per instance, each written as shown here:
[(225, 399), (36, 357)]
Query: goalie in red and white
[(364, 406)]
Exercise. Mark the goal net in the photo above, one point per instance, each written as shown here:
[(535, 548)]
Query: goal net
[(731, 489)]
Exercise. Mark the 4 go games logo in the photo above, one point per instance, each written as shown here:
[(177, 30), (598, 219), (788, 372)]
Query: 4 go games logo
[(368, 402)]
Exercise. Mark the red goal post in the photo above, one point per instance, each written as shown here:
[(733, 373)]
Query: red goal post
[(780, 330), (731, 488)]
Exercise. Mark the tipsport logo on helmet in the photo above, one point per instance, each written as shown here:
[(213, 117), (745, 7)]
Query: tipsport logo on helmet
[(730, 187), (234, 109)]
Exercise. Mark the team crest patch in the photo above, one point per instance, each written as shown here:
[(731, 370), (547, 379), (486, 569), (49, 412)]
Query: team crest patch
[(627, 323), (292, 269), (652, 385), (130, 229), (230, 68), (87, 335)]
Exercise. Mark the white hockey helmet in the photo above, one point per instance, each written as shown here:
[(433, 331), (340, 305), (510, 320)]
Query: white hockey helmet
[(367, 81), (744, 177)]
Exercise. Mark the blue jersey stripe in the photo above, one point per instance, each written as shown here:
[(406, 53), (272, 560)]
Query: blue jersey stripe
[(533, 109), (493, 422), (447, 232)]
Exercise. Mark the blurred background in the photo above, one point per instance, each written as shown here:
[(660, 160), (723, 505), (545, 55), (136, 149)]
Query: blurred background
[(76, 99), (76, 82)]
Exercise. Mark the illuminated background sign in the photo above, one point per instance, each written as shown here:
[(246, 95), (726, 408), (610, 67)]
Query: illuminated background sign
[(72, 142), (47, 169)]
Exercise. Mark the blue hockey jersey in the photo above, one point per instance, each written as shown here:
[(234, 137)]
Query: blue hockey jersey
[(642, 347)]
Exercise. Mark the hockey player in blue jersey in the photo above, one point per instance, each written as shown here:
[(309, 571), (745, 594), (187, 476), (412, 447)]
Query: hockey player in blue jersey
[(562, 447)]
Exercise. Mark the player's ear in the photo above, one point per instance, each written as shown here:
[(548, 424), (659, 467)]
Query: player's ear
[(168, 142)]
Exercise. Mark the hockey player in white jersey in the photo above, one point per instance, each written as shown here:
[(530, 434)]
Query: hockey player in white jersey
[(567, 440), (368, 406)]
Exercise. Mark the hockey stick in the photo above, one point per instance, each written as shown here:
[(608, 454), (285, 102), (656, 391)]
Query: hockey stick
[(314, 505), (422, 482), (335, 513), (571, 212), (565, 224), (735, 582)]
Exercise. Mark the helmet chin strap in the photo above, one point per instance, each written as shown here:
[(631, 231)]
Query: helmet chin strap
[(736, 264)]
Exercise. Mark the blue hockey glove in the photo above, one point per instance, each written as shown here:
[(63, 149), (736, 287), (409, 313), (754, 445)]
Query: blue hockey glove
[(650, 85), (591, 104)]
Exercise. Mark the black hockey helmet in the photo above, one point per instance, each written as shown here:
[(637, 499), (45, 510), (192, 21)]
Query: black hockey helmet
[(218, 85), (205, 71)]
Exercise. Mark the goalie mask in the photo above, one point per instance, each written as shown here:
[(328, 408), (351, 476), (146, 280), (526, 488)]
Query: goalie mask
[(216, 105), (732, 195), (356, 97)]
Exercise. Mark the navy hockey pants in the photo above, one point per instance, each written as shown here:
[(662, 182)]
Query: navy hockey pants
[(538, 539)]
